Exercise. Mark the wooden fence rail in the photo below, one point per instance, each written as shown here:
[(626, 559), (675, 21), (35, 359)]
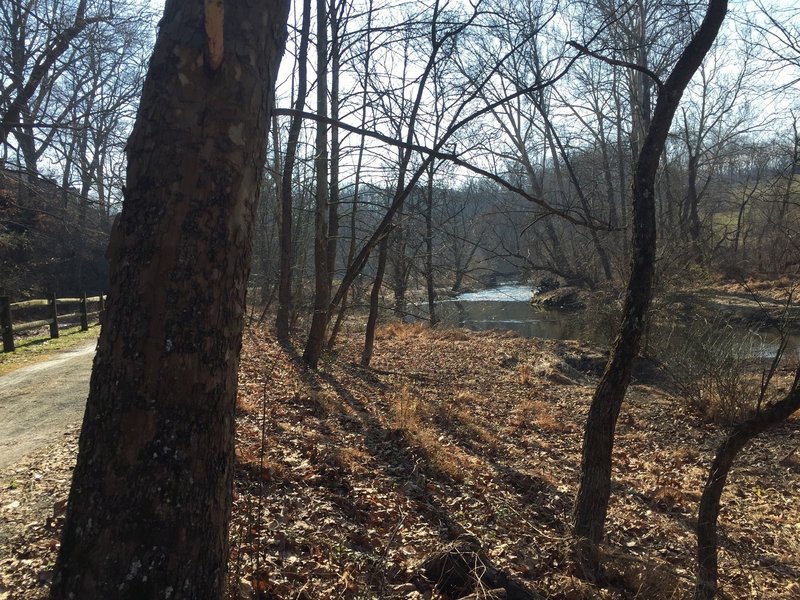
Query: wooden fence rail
[(8, 308)]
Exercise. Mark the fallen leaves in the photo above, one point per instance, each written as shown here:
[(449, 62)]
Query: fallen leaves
[(347, 479), (32, 503)]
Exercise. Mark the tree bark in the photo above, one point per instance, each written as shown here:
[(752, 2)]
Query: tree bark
[(322, 284), (148, 510), (333, 188), (706, 585), (285, 278), (591, 503), (429, 283), (400, 266), (374, 303)]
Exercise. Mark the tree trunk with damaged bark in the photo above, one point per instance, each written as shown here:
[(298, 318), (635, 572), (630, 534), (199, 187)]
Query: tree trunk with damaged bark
[(591, 503), (148, 510)]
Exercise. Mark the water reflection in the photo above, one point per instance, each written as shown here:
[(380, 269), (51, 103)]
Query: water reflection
[(508, 307)]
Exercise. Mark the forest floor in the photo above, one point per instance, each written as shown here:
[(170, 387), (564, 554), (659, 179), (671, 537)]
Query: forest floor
[(348, 478)]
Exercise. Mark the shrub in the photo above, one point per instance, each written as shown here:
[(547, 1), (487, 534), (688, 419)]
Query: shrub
[(715, 367)]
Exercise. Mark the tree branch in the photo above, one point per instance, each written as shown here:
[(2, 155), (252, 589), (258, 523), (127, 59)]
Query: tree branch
[(617, 63), (569, 216)]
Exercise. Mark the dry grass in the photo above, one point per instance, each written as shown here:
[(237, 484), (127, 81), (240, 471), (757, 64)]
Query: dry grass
[(647, 578), (461, 413), (525, 375), (413, 416), (406, 411), (349, 458), (396, 330), (540, 414)]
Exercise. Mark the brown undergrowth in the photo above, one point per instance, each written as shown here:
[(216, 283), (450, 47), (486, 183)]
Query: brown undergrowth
[(348, 478)]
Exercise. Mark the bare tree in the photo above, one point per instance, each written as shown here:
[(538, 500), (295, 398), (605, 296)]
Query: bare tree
[(706, 584), (36, 45), (322, 283), (285, 190), (591, 503)]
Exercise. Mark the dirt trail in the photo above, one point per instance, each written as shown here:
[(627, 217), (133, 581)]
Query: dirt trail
[(42, 401)]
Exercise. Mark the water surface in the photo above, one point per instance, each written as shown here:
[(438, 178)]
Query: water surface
[(508, 307)]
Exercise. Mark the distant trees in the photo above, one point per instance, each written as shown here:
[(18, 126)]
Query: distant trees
[(35, 41), (70, 84), (544, 119), (283, 177), (553, 99), (70, 77)]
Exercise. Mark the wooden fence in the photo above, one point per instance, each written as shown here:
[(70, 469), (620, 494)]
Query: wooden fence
[(51, 306)]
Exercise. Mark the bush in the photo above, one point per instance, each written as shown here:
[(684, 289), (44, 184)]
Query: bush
[(716, 368)]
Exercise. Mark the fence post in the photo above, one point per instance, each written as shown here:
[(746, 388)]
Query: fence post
[(102, 303), (84, 317), (6, 325), (51, 301)]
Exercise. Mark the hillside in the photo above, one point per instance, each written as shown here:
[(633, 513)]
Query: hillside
[(51, 240), (348, 478)]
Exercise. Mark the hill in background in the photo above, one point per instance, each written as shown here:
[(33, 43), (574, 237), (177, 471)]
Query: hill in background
[(51, 239)]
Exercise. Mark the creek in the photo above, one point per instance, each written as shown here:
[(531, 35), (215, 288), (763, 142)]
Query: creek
[(508, 307)]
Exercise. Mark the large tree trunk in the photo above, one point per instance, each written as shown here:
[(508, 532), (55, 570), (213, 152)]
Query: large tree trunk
[(151, 494), (591, 503)]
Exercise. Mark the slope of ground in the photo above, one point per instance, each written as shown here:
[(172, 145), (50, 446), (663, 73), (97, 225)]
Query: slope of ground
[(349, 477), (51, 239)]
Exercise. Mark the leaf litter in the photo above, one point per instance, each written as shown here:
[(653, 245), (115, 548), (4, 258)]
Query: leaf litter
[(348, 479)]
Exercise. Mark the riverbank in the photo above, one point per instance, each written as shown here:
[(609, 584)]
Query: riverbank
[(348, 478)]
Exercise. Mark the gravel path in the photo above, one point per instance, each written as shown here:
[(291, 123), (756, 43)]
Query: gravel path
[(41, 401)]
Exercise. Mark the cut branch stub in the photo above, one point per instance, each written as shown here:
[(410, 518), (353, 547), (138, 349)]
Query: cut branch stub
[(215, 25)]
